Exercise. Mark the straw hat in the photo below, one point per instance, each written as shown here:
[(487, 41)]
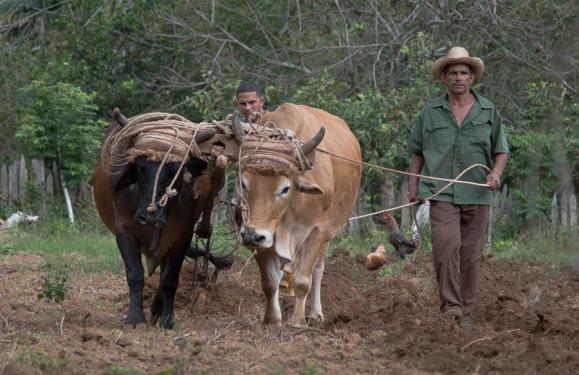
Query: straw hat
[(458, 55)]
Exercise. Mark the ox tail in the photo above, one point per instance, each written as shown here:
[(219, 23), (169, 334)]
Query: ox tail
[(220, 262)]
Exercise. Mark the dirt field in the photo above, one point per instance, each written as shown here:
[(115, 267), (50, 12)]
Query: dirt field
[(527, 321)]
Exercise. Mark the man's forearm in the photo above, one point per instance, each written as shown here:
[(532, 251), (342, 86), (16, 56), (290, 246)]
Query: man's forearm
[(416, 164), (500, 163), (493, 179)]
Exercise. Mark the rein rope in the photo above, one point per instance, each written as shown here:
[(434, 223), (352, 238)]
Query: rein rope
[(450, 181)]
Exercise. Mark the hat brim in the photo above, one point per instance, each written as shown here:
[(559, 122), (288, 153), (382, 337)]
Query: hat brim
[(475, 63)]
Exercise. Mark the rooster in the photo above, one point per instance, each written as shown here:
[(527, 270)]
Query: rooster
[(402, 245)]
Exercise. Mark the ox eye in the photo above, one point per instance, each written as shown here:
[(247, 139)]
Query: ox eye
[(284, 191), (244, 185)]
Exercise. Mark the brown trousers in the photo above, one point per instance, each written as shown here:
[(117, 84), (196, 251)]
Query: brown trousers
[(457, 244)]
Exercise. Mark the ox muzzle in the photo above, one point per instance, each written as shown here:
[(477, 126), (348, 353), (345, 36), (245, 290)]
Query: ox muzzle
[(155, 219), (255, 238)]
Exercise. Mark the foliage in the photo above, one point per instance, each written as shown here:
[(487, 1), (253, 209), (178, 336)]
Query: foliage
[(6, 249), (114, 369), (58, 123), (365, 61), (311, 368), (556, 247), (45, 362), (54, 283)]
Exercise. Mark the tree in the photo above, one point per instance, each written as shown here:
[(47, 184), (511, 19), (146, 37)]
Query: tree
[(58, 123)]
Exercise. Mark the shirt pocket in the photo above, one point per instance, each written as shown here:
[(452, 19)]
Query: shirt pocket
[(479, 134), (439, 135)]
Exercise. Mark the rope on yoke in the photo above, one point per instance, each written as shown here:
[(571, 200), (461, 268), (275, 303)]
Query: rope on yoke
[(450, 181), (272, 151), (164, 137)]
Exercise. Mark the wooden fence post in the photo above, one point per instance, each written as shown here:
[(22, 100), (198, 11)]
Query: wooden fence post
[(3, 183), (40, 179), (554, 211), (564, 210), (13, 181), (22, 178), (573, 210)]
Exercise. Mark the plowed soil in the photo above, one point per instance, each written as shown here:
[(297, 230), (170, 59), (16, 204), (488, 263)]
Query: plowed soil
[(526, 321)]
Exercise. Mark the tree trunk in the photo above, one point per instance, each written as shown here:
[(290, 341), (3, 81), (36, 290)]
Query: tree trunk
[(561, 63), (406, 218), (62, 184), (67, 199)]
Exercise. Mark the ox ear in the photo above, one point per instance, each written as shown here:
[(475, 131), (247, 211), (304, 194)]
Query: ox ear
[(308, 187), (196, 166), (128, 177)]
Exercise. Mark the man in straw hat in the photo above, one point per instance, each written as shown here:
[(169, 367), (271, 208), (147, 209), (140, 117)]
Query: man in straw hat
[(453, 132)]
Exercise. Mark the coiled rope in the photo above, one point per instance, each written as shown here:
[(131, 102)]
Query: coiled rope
[(270, 150), (160, 136)]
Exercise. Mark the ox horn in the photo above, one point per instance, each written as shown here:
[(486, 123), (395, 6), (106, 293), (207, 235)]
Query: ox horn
[(314, 142), (204, 135), (119, 118), (236, 127)]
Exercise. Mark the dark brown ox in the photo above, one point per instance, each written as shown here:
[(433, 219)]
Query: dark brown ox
[(292, 214), (163, 234)]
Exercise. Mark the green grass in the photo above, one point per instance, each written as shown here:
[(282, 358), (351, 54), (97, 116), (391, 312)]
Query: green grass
[(45, 362), (90, 247), (556, 247), (85, 246), (358, 244), (114, 369)]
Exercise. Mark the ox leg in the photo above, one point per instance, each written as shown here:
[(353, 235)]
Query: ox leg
[(310, 253), (271, 273), (157, 305), (316, 300), (135, 278), (168, 284)]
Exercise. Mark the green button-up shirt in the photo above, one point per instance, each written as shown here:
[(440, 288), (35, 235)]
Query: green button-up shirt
[(449, 149)]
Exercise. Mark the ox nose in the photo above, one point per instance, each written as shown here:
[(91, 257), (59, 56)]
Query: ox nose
[(145, 218), (251, 238)]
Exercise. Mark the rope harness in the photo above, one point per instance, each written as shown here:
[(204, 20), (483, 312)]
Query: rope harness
[(272, 151), (158, 136)]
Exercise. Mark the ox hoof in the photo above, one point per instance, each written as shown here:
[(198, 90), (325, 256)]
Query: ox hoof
[(134, 319), (167, 323), (316, 319), (272, 323), (163, 323)]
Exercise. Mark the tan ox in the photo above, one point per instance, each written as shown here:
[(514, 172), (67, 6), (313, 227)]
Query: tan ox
[(292, 214)]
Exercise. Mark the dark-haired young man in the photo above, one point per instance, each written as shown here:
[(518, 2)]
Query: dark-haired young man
[(249, 98)]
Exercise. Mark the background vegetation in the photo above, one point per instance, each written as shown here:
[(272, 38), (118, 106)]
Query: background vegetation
[(66, 64)]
